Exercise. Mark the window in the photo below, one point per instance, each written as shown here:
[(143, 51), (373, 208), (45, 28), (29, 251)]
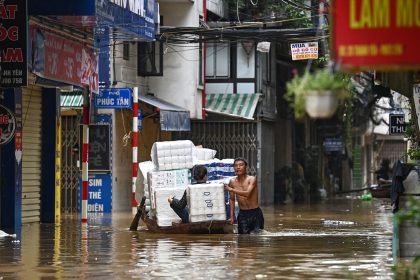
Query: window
[(126, 51), (150, 59), (218, 60)]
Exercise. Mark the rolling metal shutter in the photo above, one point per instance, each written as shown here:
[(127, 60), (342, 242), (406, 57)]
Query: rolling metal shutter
[(31, 161)]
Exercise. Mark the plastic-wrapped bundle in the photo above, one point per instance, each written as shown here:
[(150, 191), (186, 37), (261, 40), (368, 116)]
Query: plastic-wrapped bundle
[(200, 154), (228, 170), (165, 216), (206, 202), (170, 155), (180, 178)]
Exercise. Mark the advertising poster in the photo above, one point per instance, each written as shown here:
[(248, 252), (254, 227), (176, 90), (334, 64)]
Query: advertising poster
[(301, 51)]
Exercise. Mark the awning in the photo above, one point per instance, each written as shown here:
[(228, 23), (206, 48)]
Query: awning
[(72, 100), (233, 104), (172, 117)]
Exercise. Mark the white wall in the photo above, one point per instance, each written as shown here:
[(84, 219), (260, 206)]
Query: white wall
[(218, 7), (179, 84), (124, 72), (122, 160)]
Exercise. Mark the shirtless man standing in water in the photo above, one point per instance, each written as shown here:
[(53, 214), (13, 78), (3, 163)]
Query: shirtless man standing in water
[(250, 217)]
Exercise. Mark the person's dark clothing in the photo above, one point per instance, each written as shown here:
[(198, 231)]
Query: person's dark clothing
[(180, 207), (383, 173), (399, 174), (250, 220)]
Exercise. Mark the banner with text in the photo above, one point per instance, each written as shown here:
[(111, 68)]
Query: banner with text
[(371, 34), (60, 59)]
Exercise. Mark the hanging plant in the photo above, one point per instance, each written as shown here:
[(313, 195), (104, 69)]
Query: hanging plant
[(317, 93)]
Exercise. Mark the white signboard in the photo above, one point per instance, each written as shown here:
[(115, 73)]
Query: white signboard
[(416, 98), (304, 50)]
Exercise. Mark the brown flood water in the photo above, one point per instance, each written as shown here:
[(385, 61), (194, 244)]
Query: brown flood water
[(300, 242)]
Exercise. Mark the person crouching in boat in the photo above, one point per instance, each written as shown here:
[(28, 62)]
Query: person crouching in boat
[(250, 217), (384, 173), (180, 205)]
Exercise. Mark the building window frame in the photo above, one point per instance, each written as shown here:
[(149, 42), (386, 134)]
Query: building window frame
[(150, 58), (215, 56)]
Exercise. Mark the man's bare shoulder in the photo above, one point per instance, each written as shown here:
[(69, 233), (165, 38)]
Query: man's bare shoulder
[(251, 178), (233, 181)]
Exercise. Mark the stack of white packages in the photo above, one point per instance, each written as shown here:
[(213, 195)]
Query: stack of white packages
[(165, 216), (206, 202), (171, 155), (167, 179)]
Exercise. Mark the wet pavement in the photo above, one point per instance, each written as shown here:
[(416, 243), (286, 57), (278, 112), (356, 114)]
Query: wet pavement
[(337, 239)]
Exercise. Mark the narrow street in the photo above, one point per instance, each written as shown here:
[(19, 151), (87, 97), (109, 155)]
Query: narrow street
[(345, 238)]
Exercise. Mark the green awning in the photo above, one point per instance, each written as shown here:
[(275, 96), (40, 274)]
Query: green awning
[(240, 105), (72, 100)]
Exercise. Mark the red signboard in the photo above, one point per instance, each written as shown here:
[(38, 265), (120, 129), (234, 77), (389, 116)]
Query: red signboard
[(13, 29), (61, 59), (376, 34)]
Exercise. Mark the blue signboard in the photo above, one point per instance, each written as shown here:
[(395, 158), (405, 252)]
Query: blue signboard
[(114, 98), (99, 193), (61, 8), (103, 43), (127, 16), (133, 16)]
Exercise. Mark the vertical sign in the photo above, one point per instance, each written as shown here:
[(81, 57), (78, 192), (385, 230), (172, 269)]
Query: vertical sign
[(99, 147), (99, 193), (416, 99), (13, 53), (102, 42)]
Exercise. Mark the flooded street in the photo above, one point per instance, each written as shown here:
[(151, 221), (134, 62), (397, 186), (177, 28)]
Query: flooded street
[(335, 239)]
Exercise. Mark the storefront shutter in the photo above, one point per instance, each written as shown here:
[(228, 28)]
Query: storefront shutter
[(31, 160)]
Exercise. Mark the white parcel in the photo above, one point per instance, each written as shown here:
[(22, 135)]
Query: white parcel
[(206, 202)]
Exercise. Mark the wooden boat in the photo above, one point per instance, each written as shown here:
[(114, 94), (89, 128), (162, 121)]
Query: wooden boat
[(208, 227), (381, 191)]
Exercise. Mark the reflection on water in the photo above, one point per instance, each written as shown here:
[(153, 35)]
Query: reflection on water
[(345, 238)]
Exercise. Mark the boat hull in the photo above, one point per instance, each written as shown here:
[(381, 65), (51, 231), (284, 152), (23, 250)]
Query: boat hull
[(381, 191), (207, 227), (210, 227)]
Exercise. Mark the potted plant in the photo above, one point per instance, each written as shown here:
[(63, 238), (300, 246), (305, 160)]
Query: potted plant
[(317, 93)]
